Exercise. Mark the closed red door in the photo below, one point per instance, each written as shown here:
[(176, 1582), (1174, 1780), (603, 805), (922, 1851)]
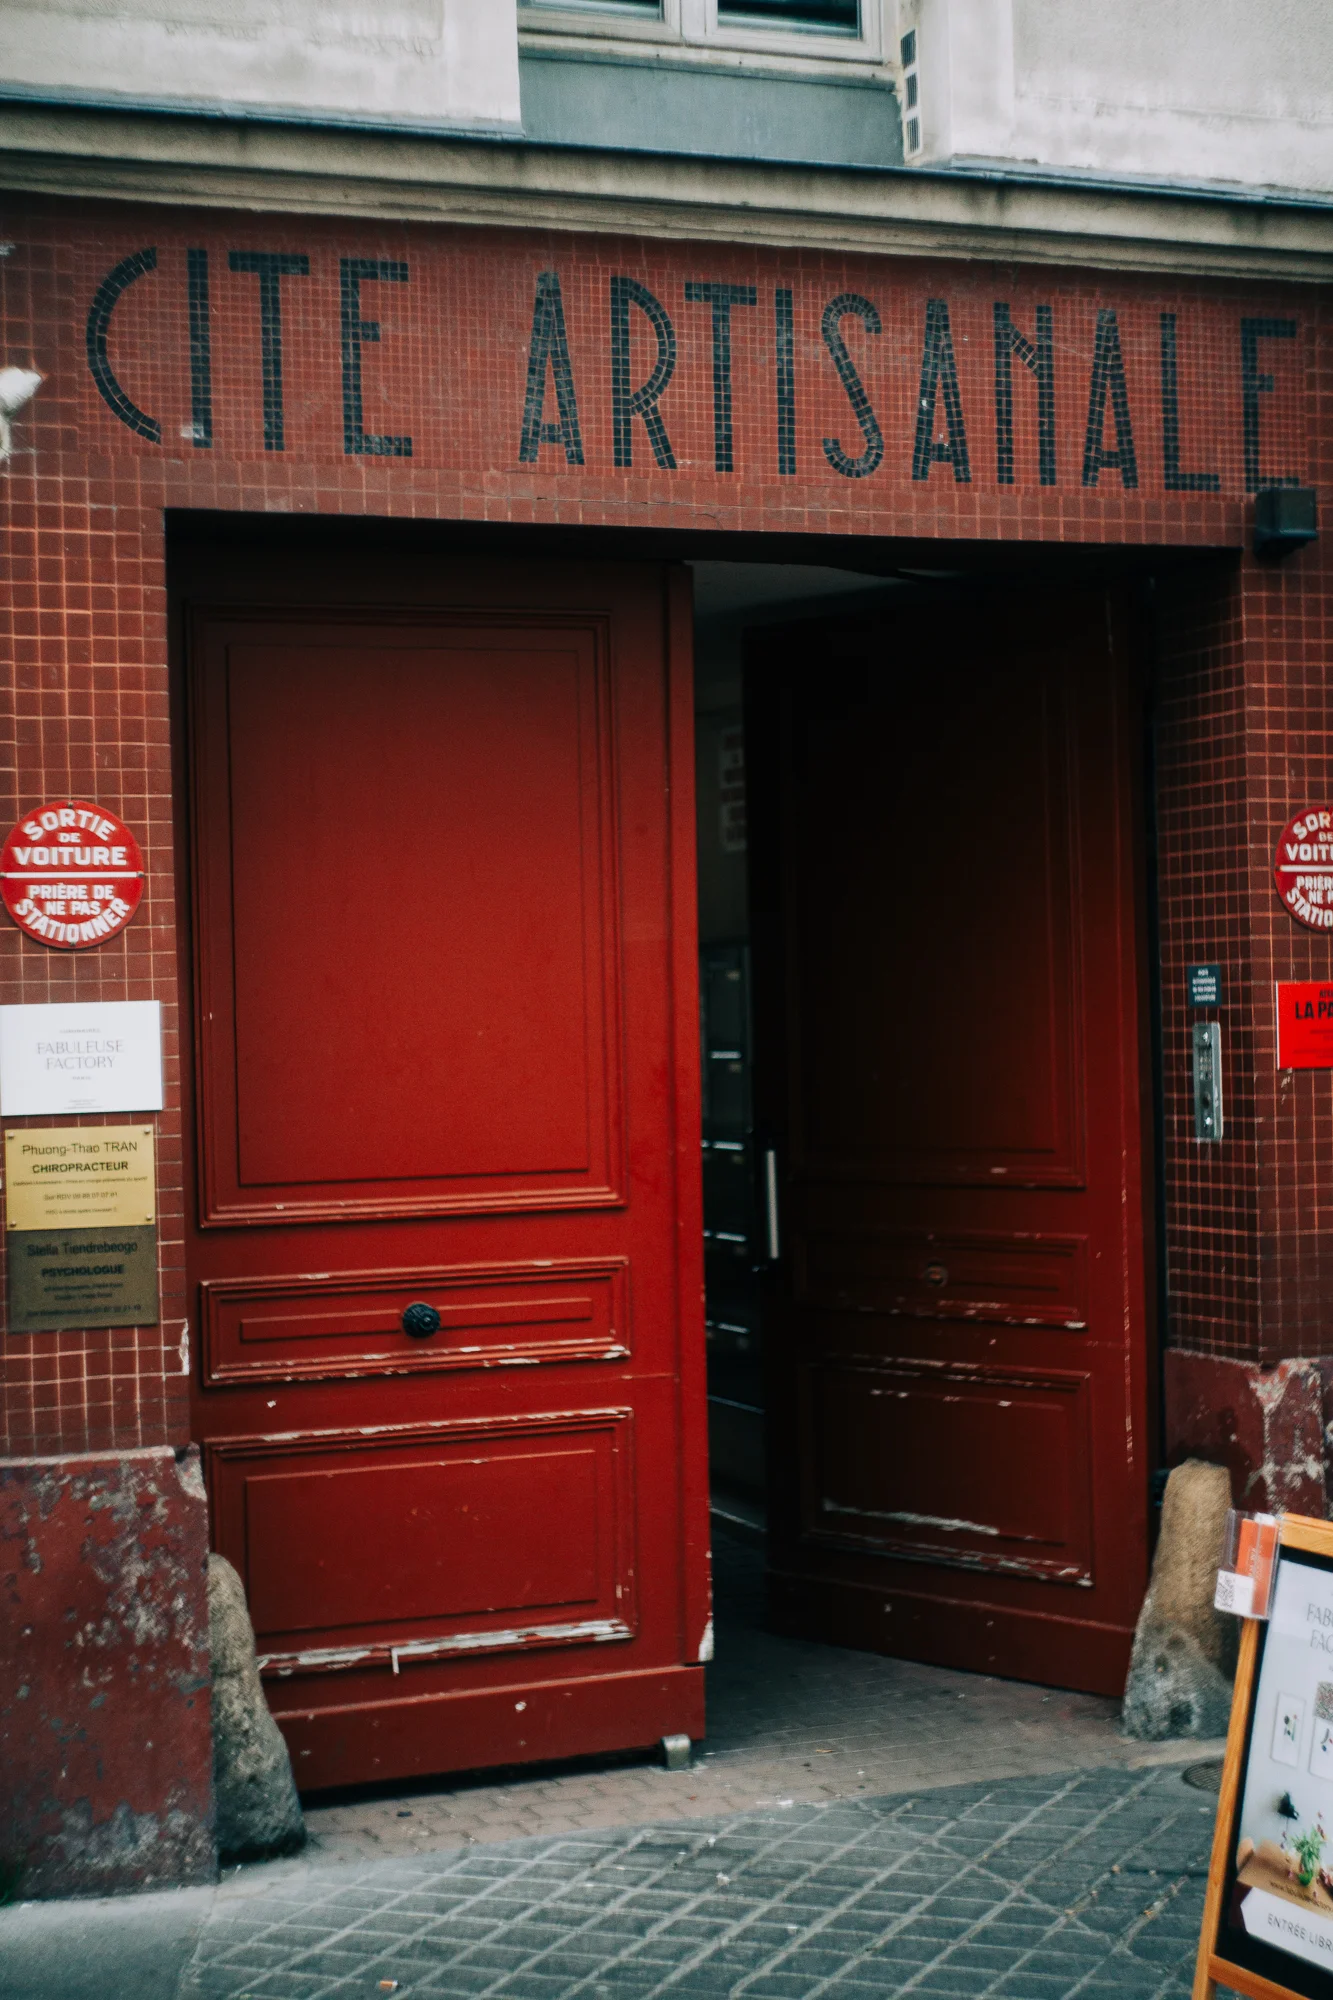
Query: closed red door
[(445, 1243), (949, 1013)]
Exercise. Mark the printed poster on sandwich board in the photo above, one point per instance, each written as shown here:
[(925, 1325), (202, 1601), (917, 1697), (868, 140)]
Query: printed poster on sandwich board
[(1268, 1924)]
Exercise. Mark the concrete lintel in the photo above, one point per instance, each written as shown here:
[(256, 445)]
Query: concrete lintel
[(197, 161)]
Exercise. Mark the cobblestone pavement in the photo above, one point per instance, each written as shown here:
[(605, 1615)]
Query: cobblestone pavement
[(1035, 1888), (787, 1719)]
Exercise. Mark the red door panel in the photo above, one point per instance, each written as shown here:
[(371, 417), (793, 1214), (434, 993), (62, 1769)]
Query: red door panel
[(984, 1076), (502, 1537), (946, 973), (904, 1458), (276, 1329), (472, 876), (441, 845)]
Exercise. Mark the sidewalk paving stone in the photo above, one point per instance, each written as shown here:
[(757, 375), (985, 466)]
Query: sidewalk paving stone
[(790, 1722), (1074, 1886)]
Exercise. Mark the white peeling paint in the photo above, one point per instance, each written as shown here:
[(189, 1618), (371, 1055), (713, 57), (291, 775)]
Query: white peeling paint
[(706, 1644), (326, 1659), (18, 386), (320, 1657), (943, 1521)]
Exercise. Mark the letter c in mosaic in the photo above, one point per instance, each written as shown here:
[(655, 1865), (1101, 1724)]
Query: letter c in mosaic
[(99, 320)]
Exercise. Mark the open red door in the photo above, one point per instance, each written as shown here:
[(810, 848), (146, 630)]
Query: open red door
[(948, 1011), (445, 1254)]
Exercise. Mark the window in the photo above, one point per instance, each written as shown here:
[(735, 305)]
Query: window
[(911, 95), (831, 17), (800, 31), (639, 10), (635, 10)]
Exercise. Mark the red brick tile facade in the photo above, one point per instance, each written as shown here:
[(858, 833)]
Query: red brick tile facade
[(1243, 730), (302, 365)]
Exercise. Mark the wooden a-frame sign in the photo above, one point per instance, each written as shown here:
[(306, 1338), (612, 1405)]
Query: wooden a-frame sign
[(1267, 1933)]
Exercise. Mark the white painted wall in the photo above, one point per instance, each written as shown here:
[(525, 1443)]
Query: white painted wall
[(441, 62), (1212, 90)]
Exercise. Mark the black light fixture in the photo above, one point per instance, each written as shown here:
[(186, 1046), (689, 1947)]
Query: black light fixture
[(1285, 518)]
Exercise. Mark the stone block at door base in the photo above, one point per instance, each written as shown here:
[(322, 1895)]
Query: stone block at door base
[(1184, 1650), (104, 1674)]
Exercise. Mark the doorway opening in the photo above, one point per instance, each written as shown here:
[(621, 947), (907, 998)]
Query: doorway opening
[(733, 602), (908, 1365)]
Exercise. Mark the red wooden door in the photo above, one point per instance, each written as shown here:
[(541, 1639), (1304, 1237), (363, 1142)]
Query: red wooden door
[(949, 1010), (446, 1057)]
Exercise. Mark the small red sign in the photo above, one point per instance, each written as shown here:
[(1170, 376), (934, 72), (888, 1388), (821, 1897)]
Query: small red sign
[(71, 874), (1304, 1024), (1303, 869)]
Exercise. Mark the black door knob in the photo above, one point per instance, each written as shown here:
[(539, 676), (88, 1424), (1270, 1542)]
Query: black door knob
[(421, 1321)]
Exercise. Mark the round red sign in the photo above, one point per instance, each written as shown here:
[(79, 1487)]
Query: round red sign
[(1303, 870), (71, 874)]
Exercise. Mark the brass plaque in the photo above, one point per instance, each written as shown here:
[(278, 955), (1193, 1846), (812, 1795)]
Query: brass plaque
[(89, 1177), (81, 1277)]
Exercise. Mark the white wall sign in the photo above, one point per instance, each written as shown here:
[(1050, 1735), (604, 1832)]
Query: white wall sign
[(103, 1055)]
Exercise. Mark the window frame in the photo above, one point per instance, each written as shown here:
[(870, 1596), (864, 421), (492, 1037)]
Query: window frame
[(691, 29)]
